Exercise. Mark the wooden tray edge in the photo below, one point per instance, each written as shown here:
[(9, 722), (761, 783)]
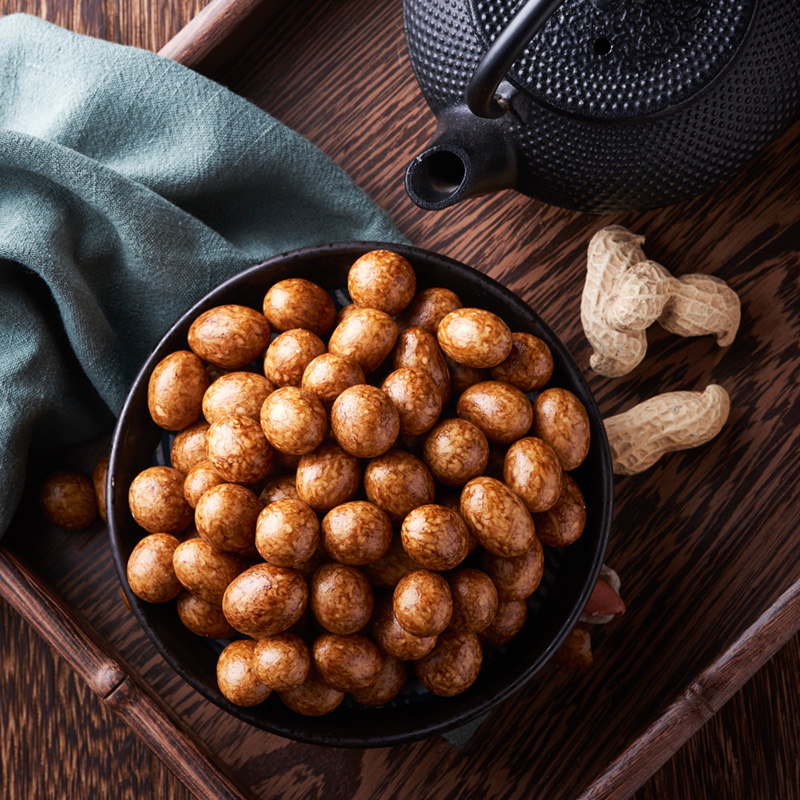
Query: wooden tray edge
[(701, 699)]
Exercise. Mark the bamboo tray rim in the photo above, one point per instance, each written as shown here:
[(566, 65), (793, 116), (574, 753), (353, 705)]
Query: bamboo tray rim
[(204, 45)]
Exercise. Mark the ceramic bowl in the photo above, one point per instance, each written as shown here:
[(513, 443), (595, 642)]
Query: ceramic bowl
[(570, 573)]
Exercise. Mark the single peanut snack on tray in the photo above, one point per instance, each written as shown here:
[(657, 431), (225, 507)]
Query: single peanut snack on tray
[(501, 411), (346, 663), (204, 570), (365, 336), (226, 517), (398, 482), (356, 533), (68, 499), (428, 308), (453, 664), (238, 450)]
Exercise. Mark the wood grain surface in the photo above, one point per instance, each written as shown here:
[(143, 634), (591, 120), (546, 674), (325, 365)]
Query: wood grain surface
[(116, 683), (704, 543), (220, 31)]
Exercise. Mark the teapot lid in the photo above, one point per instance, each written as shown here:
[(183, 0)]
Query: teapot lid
[(636, 59)]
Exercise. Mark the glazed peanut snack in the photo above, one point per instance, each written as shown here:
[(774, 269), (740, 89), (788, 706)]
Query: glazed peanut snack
[(364, 500), (68, 499)]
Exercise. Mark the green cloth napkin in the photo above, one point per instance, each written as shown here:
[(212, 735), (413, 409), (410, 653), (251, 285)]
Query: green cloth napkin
[(129, 187)]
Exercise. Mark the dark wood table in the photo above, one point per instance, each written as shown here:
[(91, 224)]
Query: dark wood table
[(705, 542)]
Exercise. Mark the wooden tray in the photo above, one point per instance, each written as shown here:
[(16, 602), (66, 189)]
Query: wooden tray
[(704, 542)]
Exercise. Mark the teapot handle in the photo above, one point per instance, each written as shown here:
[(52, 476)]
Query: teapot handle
[(511, 41)]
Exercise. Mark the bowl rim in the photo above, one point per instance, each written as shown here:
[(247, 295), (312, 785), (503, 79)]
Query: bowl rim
[(425, 728)]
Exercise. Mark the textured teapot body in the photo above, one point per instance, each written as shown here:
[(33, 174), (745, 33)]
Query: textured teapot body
[(660, 127)]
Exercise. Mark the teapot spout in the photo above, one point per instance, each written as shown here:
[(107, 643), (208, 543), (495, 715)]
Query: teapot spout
[(466, 157)]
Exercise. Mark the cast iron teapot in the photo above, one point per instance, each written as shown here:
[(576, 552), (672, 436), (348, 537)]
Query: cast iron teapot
[(598, 105)]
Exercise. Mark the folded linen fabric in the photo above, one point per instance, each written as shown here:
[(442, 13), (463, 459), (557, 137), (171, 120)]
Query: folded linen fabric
[(129, 187)]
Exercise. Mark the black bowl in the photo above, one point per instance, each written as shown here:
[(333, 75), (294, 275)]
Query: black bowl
[(570, 573)]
